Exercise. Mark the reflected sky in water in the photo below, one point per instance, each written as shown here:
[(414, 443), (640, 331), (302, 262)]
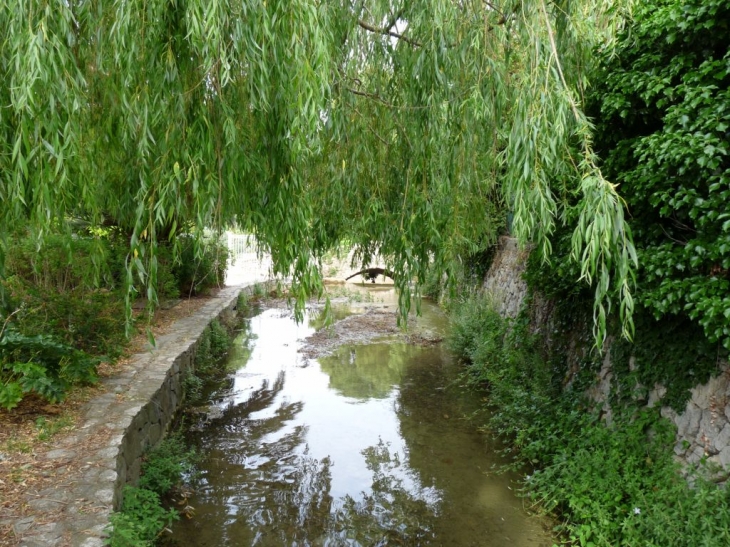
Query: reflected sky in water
[(364, 447)]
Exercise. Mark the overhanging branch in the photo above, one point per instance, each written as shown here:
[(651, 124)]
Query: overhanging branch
[(387, 32)]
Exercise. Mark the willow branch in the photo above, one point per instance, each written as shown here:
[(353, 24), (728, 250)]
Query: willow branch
[(370, 96), (387, 32), (502, 17), (370, 127), (553, 47)]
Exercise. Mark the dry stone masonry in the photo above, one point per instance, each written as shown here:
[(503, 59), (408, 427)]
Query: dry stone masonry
[(120, 425), (504, 278), (703, 429)]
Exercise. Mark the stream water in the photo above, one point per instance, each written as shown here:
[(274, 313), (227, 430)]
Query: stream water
[(364, 447)]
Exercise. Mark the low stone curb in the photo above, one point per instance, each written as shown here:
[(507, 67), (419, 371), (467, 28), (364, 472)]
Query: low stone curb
[(129, 419)]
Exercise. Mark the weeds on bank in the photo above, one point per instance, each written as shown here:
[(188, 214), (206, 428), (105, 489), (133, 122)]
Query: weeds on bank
[(143, 516), (213, 347), (48, 428), (608, 485)]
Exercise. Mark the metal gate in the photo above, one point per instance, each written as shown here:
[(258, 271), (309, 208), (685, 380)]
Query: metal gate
[(245, 264)]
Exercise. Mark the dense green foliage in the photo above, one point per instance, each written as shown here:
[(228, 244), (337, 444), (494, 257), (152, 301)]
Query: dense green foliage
[(142, 517), (609, 485), (64, 309), (409, 128), (662, 105), (672, 352), (661, 102), (59, 292), (40, 364)]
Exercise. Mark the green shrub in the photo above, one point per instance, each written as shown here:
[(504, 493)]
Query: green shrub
[(259, 291), (58, 262), (220, 340), (200, 267), (90, 320), (192, 387), (243, 302), (166, 464), (471, 317), (660, 103), (68, 289), (141, 519), (42, 365), (610, 484), (213, 346)]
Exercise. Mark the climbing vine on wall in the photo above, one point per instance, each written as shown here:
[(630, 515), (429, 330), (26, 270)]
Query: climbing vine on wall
[(662, 102)]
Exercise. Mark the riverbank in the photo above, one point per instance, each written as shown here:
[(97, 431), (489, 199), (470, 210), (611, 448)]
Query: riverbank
[(348, 435), (59, 463)]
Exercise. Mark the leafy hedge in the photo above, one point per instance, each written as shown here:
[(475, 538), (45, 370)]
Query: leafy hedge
[(662, 107), (608, 485), (41, 365), (63, 302)]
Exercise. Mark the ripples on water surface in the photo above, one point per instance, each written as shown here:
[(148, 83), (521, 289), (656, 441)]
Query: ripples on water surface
[(361, 448)]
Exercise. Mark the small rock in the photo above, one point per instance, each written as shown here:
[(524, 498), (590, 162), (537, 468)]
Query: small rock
[(61, 454)]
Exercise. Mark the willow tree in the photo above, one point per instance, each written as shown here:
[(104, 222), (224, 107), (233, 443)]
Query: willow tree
[(410, 128)]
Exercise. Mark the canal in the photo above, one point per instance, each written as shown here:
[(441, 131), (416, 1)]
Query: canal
[(353, 436)]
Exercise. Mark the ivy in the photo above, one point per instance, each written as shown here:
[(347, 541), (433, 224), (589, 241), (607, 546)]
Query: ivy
[(662, 102), (671, 352)]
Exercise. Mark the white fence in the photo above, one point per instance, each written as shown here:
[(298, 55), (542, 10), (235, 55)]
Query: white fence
[(245, 264)]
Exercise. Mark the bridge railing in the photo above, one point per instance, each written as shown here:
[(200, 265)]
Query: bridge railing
[(246, 265)]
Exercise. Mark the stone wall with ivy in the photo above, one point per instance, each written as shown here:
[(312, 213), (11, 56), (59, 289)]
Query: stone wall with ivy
[(504, 277), (670, 367)]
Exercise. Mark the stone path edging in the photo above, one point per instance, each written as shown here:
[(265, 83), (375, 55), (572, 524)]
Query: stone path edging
[(133, 416)]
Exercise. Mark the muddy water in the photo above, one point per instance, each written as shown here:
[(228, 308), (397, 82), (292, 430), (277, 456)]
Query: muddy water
[(364, 446)]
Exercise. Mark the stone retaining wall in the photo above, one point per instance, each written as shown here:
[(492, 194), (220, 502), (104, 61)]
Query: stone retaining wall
[(703, 429), (504, 278), (155, 392), (117, 429)]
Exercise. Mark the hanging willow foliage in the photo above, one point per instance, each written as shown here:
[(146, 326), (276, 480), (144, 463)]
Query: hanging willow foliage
[(408, 127)]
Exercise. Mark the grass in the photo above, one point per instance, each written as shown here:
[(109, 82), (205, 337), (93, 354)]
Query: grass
[(49, 427)]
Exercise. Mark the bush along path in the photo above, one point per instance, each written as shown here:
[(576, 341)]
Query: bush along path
[(82, 472)]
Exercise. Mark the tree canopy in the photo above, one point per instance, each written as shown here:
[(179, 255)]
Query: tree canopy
[(409, 128), (663, 119)]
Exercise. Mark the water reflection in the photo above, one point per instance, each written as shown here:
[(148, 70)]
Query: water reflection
[(361, 448), (337, 312), (392, 512), (367, 371)]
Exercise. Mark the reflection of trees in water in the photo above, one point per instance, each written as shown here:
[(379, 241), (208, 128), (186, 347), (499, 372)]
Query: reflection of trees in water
[(367, 371), (268, 492), (257, 484), (241, 348), (392, 514), (450, 455), (296, 507)]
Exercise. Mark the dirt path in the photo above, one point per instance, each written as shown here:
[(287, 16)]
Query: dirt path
[(32, 484)]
